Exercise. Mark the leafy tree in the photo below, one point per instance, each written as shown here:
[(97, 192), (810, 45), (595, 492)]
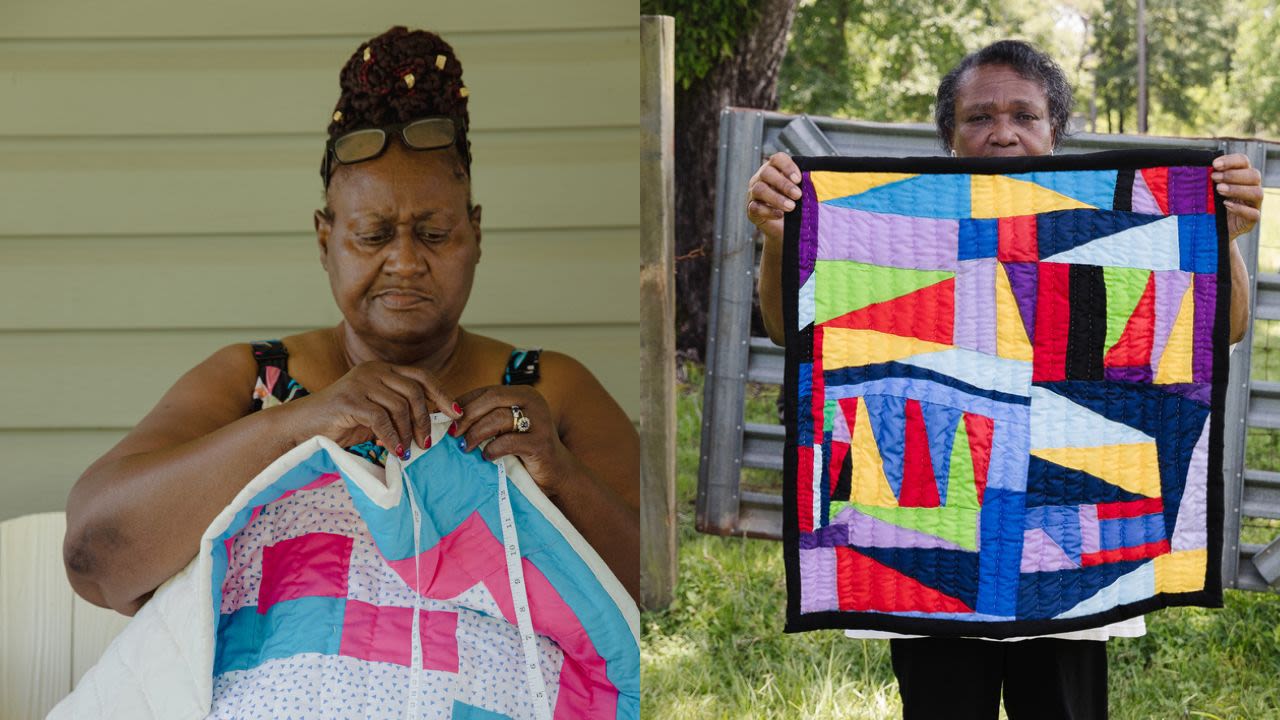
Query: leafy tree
[(1254, 93), (727, 53), (1213, 65), (1188, 60), (882, 61)]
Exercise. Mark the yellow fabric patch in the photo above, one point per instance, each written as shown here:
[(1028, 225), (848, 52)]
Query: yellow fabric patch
[(867, 482), (1181, 571), (831, 185), (1011, 334), (1175, 363), (850, 347), (1133, 467), (996, 196)]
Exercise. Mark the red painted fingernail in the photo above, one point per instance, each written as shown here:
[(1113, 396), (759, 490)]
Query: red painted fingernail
[(399, 450), (453, 428), (426, 442), (457, 408)]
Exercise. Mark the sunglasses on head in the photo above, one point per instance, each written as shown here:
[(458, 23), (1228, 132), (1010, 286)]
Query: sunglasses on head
[(430, 133)]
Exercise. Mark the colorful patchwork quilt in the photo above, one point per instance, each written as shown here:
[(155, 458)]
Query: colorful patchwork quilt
[(1004, 391), (448, 587)]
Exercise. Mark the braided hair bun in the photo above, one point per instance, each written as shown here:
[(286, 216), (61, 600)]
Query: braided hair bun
[(398, 76)]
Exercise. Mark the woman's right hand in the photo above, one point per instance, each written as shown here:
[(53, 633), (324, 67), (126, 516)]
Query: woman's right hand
[(771, 192), (392, 403)]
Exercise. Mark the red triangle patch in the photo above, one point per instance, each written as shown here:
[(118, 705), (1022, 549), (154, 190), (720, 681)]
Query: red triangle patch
[(1133, 349), (849, 406), (838, 451), (867, 585), (979, 428), (926, 314), (919, 487), (1157, 180)]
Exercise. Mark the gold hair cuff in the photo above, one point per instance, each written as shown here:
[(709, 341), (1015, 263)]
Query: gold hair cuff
[(440, 61), (367, 54), (463, 92), (409, 80), (337, 115)]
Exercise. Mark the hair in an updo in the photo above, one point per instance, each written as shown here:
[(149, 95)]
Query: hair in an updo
[(376, 90)]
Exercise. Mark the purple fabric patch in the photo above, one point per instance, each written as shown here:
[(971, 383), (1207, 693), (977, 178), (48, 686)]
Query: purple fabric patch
[(818, 568), (1171, 285), (867, 531), (1199, 392), (1128, 374), (1041, 554), (1188, 193), (1189, 531), (808, 230), (1206, 288), (1024, 280), (827, 536), (1143, 201), (1090, 534), (892, 240), (975, 325)]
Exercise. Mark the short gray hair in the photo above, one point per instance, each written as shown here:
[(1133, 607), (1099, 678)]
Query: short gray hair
[(1025, 60)]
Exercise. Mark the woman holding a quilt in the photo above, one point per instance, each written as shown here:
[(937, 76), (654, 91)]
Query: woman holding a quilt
[(399, 237), (1006, 100)]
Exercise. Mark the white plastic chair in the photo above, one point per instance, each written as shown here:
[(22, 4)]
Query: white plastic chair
[(49, 636)]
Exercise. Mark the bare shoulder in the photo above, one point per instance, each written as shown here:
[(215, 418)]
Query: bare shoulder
[(575, 395), (592, 424), (565, 374)]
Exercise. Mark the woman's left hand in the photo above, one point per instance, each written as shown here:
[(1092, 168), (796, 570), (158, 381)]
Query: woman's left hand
[(1240, 185), (487, 413)]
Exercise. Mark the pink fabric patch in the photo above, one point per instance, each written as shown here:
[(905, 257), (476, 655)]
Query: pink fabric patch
[(471, 554), (311, 565), (272, 375), (381, 633)]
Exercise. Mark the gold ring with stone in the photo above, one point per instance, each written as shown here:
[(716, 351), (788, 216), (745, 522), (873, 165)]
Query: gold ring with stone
[(519, 422)]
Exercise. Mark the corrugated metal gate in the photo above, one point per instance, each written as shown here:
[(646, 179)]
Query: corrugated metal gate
[(735, 358)]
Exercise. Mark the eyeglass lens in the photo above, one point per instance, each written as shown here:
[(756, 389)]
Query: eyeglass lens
[(429, 134), (359, 145)]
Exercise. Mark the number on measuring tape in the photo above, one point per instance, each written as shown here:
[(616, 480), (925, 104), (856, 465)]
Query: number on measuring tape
[(520, 598)]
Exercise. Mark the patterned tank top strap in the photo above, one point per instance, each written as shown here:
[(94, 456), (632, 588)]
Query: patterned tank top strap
[(522, 367), (273, 386)]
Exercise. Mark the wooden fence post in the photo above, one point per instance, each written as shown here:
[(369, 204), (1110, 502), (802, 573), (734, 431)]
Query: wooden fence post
[(657, 314)]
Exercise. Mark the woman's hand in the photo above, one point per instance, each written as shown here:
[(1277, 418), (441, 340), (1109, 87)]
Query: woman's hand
[(1240, 184), (392, 403), (771, 192), (486, 414)]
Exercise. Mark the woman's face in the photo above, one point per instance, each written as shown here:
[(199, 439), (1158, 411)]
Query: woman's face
[(400, 246), (1000, 113)]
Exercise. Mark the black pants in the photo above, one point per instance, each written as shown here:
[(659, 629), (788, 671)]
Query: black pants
[(1042, 679)]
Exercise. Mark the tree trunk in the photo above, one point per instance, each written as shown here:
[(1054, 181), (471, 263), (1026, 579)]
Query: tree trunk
[(747, 79)]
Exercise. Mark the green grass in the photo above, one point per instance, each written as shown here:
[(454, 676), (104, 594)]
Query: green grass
[(719, 652)]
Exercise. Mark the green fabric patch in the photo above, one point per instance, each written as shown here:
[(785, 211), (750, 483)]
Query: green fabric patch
[(1124, 290), (962, 490), (954, 524), (842, 286)]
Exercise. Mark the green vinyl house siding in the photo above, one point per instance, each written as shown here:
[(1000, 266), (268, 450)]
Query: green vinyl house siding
[(159, 169)]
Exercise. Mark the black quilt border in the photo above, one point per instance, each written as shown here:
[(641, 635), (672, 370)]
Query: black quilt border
[(1210, 596)]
